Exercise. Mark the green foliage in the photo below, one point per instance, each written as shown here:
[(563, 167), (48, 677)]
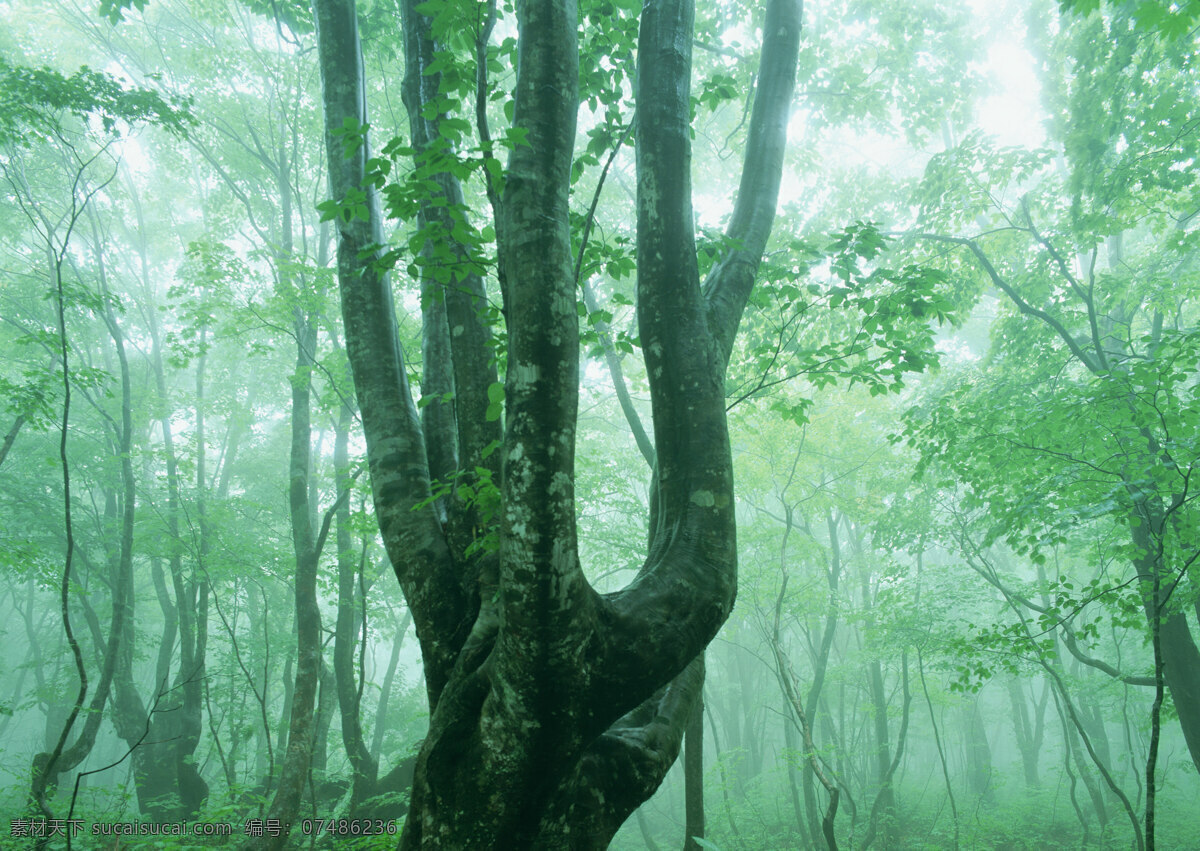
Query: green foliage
[(32, 397), (606, 57), (965, 182), (1166, 19), (495, 407), (114, 10), (1047, 456), (855, 321), (476, 490), (872, 65), (716, 90), (34, 102)]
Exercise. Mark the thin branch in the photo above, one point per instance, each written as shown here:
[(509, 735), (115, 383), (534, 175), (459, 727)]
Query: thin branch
[(1022, 305)]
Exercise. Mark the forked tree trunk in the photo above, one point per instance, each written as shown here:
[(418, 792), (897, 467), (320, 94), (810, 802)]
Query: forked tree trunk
[(555, 710)]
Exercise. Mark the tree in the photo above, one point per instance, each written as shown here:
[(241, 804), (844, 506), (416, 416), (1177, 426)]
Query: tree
[(1087, 395), (554, 710), (79, 119)]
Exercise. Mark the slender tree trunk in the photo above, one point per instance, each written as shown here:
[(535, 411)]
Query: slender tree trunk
[(1027, 742), (1146, 509), (693, 772), (325, 792), (792, 743), (979, 753), (363, 766), (166, 734), (48, 766), (883, 813), (11, 436), (385, 691), (193, 789), (1180, 656), (305, 540)]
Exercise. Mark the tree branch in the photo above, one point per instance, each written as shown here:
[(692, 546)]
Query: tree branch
[(399, 469), (1084, 295), (687, 585), (732, 278), (463, 333), (543, 593), (1022, 305), (11, 436)]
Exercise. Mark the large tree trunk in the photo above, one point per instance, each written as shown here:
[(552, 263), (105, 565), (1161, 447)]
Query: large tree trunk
[(555, 711)]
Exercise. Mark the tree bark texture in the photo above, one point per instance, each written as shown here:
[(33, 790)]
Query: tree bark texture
[(554, 710)]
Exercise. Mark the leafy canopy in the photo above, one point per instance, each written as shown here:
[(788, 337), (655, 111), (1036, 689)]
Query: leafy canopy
[(35, 101)]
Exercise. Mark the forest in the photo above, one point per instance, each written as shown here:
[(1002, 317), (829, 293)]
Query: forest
[(584, 424)]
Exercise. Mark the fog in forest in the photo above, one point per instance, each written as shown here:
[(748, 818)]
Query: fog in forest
[(506, 424)]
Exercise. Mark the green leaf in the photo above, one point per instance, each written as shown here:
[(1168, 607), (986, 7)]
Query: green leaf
[(495, 406)]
